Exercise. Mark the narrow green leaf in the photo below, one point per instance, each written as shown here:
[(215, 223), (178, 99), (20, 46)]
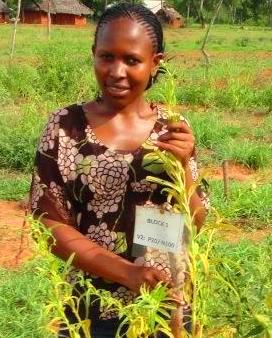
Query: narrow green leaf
[(151, 162)]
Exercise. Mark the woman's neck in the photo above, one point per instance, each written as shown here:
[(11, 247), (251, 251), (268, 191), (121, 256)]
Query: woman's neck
[(137, 107)]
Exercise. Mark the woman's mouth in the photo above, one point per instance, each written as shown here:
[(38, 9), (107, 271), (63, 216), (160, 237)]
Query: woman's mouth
[(116, 90)]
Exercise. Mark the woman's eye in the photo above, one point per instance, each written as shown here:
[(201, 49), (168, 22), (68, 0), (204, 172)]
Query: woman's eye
[(106, 57), (132, 61)]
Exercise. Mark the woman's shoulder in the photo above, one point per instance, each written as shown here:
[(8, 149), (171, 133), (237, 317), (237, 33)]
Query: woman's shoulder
[(69, 117)]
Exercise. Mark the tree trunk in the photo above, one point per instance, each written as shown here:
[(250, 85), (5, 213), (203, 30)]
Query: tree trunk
[(17, 19), (206, 56), (202, 19), (188, 12), (199, 15), (201, 5), (48, 19), (270, 12), (234, 16)]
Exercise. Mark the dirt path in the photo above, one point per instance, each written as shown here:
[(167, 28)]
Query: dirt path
[(14, 242)]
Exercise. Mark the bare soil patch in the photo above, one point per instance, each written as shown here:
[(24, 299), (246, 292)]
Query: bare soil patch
[(196, 55), (235, 172), (263, 77), (255, 236), (15, 245)]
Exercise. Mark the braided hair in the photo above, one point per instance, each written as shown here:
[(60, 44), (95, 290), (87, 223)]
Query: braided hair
[(140, 14)]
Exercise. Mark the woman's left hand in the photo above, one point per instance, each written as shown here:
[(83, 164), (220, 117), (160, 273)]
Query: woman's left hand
[(179, 140)]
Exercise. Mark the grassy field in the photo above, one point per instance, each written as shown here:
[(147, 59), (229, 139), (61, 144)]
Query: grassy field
[(229, 106)]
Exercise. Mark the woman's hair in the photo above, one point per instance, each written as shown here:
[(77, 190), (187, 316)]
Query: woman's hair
[(140, 14)]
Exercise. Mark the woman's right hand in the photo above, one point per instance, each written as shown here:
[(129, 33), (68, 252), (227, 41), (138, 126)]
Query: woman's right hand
[(140, 275)]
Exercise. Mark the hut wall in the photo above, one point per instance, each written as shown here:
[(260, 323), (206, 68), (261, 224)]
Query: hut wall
[(80, 20), (34, 17), (3, 18), (57, 19), (175, 23), (68, 19), (63, 19)]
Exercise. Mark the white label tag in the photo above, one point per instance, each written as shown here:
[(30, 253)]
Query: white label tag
[(158, 230)]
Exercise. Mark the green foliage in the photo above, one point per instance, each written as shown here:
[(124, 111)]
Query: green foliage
[(250, 153), (69, 77), (19, 138), (60, 76), (228, 85), (13, 185), (148, 314), (210, 138), (246, 267), (249, 204), (21, 294), (232, 11), (18, 80)]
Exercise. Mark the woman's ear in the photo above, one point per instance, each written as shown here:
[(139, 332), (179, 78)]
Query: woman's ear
[(156, 62)]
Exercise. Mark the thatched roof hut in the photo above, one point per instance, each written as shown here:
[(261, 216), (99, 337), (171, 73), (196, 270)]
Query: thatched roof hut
[(4, 11), (153, 5), (169, 16), (63, 12)]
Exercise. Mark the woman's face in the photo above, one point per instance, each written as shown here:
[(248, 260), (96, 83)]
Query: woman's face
[(124, 59)]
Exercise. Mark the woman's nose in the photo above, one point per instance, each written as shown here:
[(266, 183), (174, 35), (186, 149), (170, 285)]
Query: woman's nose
[(118, 69)]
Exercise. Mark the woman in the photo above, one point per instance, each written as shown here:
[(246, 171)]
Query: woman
[(89, 175)]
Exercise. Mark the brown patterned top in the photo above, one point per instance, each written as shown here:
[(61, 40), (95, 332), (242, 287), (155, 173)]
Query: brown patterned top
[(80, 182)]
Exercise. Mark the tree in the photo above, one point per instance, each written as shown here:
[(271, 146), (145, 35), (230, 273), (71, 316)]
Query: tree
[(48, 19), (17, 18), (16, 5)]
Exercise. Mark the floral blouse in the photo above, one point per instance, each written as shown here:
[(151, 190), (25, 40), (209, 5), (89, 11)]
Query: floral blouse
[(81, 182)]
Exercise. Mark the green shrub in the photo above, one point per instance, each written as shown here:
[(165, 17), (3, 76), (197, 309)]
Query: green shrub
[(252, 154), (263, 97), (22, 295), (243, 41), (249, 204), (209, 129), (13, 185), (247, 269), (236, 94), (69, 76), (21, 81), (19, 138)]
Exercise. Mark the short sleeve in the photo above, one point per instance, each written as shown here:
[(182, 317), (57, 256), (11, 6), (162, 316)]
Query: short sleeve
[(48, 194), (202, 187)]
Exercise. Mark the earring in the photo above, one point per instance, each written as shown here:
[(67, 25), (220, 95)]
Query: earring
[(154, 72), (153, 76)]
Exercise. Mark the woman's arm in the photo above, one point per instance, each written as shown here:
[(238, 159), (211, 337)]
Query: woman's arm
[(92, 258)]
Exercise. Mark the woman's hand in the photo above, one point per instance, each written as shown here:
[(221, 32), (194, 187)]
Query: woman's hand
[(179, 140), (140, 275)]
